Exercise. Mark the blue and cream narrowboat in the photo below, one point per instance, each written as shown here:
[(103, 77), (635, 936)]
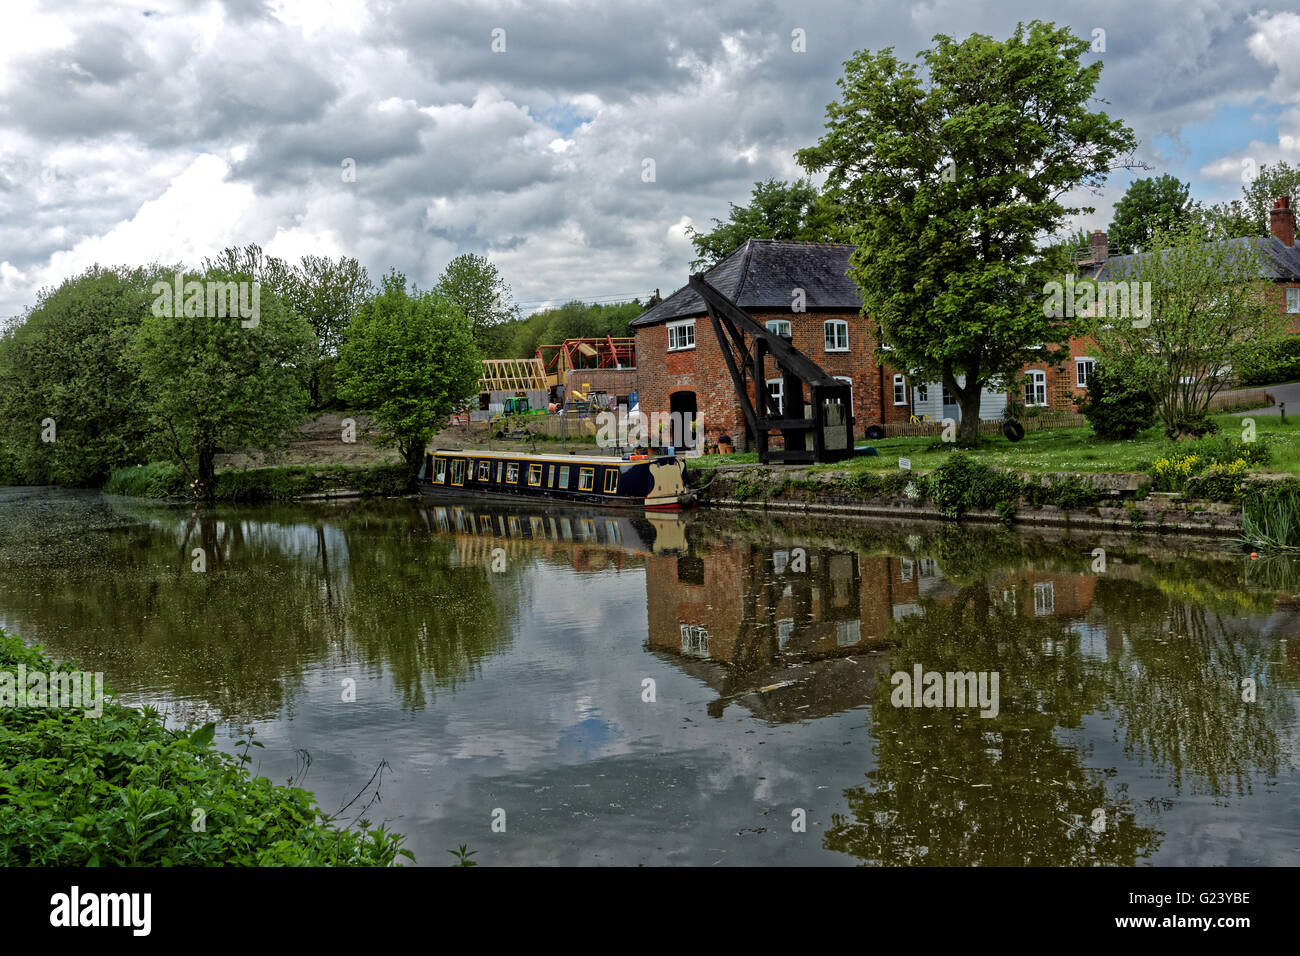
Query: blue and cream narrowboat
[(655, 483)]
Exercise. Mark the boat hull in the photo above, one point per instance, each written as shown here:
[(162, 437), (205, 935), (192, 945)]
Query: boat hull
[(657, 484)]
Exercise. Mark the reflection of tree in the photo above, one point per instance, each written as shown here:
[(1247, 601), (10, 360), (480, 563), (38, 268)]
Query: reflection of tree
[(953, 788), (1177, 688), (411, 608), (283, 588)]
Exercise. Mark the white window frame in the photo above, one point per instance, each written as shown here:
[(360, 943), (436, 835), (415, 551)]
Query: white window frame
[(922, 392), (900, 390), (1035, 385), (1044, 599), (779, 392), (1083, 371), (1292, 300), (779, 323), (829, 336), (681, 335)]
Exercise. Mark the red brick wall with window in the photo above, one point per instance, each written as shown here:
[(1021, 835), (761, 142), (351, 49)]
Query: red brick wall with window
[(703, 370)]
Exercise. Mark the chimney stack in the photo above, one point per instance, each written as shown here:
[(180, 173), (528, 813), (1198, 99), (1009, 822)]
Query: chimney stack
[(1281, 221), (1097, 247)]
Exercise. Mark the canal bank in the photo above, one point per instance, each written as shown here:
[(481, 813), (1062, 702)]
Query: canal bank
[(1097, 501)]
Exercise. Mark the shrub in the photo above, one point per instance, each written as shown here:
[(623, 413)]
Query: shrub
[(962, 483), (1171, 473), (1116, 406), (1068, 492), (1197, 426), (1224, 450), (1218, 482), (120, 789), (1279, 362)]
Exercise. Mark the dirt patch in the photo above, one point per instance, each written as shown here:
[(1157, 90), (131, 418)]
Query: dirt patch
[(319, 441)]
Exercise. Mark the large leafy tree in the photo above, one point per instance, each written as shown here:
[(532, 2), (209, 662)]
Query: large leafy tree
[(68, 361), (777, 210), (950, 181), (327, 293), (1248, 216), (1149, 205), (410, 359), (474, 286), (1210, 310), (218, 382)]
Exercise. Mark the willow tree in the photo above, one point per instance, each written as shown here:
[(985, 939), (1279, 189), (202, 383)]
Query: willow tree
[(950, 180)]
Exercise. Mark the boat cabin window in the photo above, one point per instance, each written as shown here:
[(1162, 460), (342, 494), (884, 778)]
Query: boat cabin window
[(485, 471), (512, 473), (440, 470), (534, 474), (458, 471), (564, 476), (586, 479), (500, 466), (611, 480)]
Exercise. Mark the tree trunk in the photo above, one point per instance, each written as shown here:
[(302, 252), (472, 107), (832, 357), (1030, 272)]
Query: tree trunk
[(968, 400), (207, 471), (413, 453)]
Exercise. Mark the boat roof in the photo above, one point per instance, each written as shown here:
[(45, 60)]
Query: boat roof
[(541, 456)]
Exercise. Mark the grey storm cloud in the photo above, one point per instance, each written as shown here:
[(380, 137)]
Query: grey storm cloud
[(532, 155)]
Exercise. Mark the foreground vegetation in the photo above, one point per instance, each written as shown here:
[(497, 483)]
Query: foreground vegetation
[(123, 790)]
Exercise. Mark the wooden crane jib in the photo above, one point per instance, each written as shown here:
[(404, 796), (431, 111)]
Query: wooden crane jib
[(821, 430)]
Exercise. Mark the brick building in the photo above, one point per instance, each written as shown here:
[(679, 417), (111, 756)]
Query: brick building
[(802, 290)]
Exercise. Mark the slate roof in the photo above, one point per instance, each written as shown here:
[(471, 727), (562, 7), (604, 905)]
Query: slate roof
[(1276, 259), (763, 273)]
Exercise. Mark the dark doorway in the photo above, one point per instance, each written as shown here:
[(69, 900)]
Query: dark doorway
[(682, 407)]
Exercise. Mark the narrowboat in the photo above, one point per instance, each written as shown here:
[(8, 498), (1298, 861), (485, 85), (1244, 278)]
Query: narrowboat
[(492, 524), (655, 483)]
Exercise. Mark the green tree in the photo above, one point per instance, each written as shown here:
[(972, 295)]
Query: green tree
[(410, 360), (68, 363), (214, 382), (1208, 310), (777, 210), (1156, 204), (572, 320), (950, 181), (474, 286), (1248, 216), (327, 293)]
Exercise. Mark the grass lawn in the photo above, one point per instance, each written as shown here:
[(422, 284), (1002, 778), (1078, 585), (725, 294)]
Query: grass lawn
[(1061, 449)]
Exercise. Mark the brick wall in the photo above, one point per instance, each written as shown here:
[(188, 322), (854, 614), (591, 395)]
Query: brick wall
[(703, 370)]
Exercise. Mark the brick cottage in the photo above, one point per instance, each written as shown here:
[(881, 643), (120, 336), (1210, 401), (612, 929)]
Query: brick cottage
[(682, 369)]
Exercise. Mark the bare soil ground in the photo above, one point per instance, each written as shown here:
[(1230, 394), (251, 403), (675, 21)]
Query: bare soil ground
[(320, 442)]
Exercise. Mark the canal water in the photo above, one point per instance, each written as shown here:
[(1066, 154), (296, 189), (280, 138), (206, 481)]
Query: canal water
[(587, 688)]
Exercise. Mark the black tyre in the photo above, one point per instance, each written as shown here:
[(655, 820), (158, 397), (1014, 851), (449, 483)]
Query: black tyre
[(1013, 430), (875, 432)]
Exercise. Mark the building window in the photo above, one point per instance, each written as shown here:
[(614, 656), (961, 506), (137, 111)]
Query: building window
[(440, 470), (848, 633), (564, 476), (905, 568), (900, 390), (1044, 599), (485, 471), (837, 335), (780, 327), (776, 388), (586, 479), (1036, 388), (1083, 371), (948, 397), (695, 640), (611, 480), (534, 474), (512, 473), (922, 393), (1293, 300), (681, 335)]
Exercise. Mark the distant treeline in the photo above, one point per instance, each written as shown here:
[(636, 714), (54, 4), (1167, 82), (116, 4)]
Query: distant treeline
[(519, 338)]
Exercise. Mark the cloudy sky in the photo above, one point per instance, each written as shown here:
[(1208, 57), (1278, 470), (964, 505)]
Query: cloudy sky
[(395, 132)]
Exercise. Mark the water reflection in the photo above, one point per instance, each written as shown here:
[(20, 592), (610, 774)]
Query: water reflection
[(505, 651)]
